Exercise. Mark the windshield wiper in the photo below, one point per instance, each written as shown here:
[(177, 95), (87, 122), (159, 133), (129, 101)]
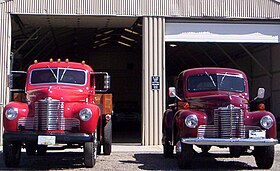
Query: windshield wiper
[(223, 78), (53, 73), (63, 73), (213, 82)]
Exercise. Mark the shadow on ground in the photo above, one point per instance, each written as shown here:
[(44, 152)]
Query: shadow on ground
[(201, 162), (53, 161)]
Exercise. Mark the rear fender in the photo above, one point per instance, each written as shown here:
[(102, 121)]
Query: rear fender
[(168, 123)]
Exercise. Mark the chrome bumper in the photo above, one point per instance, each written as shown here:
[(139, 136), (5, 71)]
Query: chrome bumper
[(230, 142)]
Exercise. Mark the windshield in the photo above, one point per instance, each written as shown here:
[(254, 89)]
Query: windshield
[(212, 82), (57, 76)]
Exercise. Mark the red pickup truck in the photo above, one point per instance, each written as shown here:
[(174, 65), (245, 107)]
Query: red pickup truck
[(212, 109)]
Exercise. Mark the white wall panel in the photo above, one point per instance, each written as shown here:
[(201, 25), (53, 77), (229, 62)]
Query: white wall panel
[(256, 9)]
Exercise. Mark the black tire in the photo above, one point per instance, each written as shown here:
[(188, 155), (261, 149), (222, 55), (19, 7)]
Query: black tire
[(11, 153), (205, 148), (167, 148), (235, 151), (186, 156), (90, 152), (264, 156), (107, 138), (30, 149), (98, 148), (42, 150)]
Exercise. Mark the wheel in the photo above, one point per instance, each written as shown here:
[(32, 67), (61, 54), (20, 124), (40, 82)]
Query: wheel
[(205, 148), (11, 153), (30, 149), (167, 148), (235, 151), (90, 152), (107, 138), (264, 156), (42, 150), (186, 156)]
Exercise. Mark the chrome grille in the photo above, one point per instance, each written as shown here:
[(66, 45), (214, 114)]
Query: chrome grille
[(228, 123), (49, 115)]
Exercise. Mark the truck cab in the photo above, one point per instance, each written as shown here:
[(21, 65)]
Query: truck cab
[(212, 108), (60, 108)]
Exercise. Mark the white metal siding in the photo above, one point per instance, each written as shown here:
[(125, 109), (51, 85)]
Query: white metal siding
[(5, 49), (257, 9), (153, 101)]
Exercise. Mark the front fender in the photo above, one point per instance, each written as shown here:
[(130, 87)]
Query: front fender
[(253, 119), (183, 130), (11, 125), (90, 125)]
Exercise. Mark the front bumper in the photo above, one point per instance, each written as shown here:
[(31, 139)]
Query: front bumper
[(61, 138), (230, 141)]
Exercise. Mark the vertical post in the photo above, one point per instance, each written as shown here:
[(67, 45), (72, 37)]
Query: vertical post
[(153, 101), (5, 50)]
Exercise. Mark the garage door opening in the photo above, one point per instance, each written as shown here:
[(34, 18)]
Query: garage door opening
[(111, 44), (258, 61), (247, 46)]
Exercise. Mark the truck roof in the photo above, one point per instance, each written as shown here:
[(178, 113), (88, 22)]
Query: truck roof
[(61, 64)]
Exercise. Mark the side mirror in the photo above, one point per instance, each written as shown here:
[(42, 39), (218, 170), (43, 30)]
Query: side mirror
[(261, 92), (107, 81), (172, 92), (98, 81), (16, 81)]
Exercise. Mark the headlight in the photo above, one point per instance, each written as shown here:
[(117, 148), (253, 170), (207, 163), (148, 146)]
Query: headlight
[(191, 121), (11, 113), (85, 114), (266, 122)]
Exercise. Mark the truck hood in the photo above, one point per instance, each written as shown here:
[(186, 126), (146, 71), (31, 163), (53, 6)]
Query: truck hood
[(62, 93), (215, 101)]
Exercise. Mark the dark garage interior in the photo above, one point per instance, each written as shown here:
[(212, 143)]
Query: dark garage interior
[(109, 44)]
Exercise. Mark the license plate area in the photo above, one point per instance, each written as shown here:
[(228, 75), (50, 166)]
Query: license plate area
[(46, 140), (257, 133)]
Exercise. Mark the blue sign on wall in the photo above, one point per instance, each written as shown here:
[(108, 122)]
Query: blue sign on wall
[(155, 82)]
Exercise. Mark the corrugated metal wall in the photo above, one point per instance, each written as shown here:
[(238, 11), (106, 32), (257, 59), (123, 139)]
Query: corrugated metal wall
[(5, 49), (153, 101), (258, 9)]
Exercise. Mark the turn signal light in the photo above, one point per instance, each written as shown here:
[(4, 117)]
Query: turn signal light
[(261, 106), (186, 105)]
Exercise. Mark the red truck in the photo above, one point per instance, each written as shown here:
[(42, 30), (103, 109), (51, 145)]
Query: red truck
[(212, 109), (62, 109)]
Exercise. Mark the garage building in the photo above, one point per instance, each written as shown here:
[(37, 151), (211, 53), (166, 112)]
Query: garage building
[(140, 42)]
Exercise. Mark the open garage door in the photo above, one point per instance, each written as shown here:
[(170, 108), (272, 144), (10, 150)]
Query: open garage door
[(250, 47), (111, 44)]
